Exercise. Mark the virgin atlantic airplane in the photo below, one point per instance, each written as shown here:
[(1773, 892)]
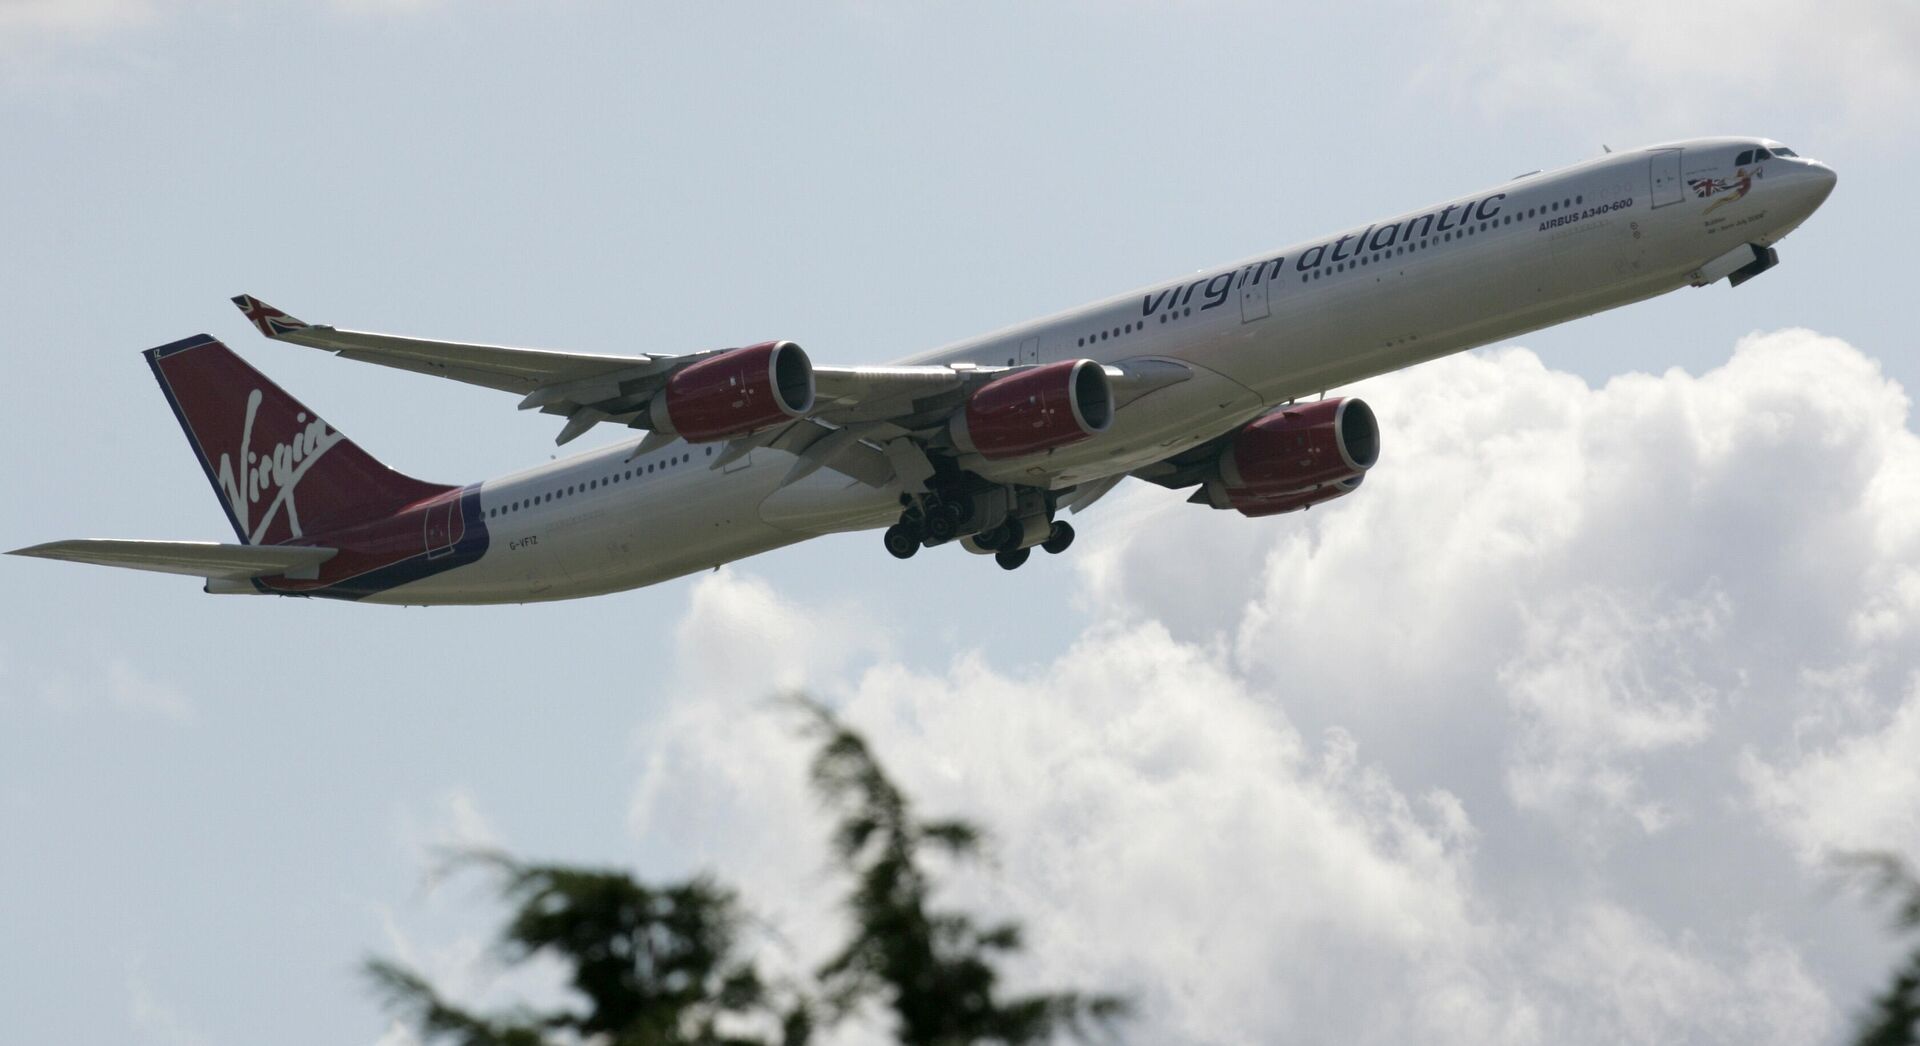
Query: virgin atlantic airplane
[(1204, 382)]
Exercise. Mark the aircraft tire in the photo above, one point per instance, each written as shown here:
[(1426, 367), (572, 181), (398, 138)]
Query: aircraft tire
[(1058, 538), (901, 541), (942, 525), (1011, 559)]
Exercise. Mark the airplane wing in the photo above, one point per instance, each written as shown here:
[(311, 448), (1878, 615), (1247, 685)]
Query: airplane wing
[(194, 558), (589, 388), (873, 424)]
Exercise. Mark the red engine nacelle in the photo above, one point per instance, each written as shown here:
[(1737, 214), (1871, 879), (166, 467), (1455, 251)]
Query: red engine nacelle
[(1296, 456), (1248, 505), (1035, 410), (736, 393)]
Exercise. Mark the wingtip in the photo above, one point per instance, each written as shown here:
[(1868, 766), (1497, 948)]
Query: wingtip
[(265, 318)]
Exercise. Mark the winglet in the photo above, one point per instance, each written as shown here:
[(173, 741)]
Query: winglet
[(270, 321)]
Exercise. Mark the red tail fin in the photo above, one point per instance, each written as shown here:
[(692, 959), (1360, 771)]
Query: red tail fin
[(281, 472)]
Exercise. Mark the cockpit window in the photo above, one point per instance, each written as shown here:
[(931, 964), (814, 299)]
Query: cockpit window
[(1761, 153), (1743, 159), (1784, 151)]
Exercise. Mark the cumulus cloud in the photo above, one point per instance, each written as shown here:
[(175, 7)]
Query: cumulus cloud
[(1503, 748), (1860, 791)]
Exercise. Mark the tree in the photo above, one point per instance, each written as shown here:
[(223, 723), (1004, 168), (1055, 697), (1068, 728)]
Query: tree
[(656, 965), (935, 969), (1894, 1016), (662, 965)]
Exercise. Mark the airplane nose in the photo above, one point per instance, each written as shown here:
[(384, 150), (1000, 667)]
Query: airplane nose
[(1822, 180)]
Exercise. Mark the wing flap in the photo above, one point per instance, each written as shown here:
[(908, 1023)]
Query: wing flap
[(205, 559)]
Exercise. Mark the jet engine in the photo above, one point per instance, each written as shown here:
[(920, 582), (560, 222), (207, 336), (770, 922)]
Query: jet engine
[(1034, 410), (1295, 457), (736, 393), (1273, 506)]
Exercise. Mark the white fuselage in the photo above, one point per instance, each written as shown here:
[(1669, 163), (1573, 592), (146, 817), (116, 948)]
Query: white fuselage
[(1535, 251)]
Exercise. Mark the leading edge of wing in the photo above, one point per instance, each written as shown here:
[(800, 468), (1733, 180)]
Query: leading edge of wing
[(502, 367)]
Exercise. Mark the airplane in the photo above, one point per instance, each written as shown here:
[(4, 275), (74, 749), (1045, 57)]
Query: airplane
[(1208, 382)]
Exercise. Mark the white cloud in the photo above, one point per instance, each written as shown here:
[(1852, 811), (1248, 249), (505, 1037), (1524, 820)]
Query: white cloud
[(1597, 682), (1861, 792), (1420, 759)]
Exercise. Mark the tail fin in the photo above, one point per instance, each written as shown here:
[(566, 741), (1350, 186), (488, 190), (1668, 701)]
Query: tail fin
[(280, 471)]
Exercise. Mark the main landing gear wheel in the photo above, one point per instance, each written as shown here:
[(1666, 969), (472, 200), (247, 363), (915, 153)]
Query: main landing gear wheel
[(943, 524), (1058, 538), (902, 541), (1012, 558)]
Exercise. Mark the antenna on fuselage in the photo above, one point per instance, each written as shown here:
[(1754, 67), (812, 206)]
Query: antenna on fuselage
[(1604, 148)]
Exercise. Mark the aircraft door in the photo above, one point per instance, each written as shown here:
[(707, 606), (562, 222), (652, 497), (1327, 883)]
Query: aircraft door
[(1029, 351), (444, 527), (1253, 294), (1664, 174)]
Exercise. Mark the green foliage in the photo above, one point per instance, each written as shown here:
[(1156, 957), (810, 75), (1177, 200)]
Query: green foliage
[(659, 966), (934, 969), (1894, 1016), (656, 965)]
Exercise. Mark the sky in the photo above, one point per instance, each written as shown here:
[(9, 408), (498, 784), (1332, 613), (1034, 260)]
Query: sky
[(1546, 735)]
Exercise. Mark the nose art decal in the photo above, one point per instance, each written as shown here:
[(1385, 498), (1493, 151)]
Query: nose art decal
[(1728, 189)]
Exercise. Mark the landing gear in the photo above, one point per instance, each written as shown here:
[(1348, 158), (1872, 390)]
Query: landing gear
[(943, 524), (902, 540), (1006, 522), (1058, 537)]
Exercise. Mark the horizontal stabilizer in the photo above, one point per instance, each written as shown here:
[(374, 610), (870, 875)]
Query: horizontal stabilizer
[(194, 558)]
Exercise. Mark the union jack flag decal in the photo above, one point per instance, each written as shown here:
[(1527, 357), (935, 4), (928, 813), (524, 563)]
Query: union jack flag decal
[(269, 320)]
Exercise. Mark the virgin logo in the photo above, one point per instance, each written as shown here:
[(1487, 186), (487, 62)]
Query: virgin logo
[(275, 472)]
